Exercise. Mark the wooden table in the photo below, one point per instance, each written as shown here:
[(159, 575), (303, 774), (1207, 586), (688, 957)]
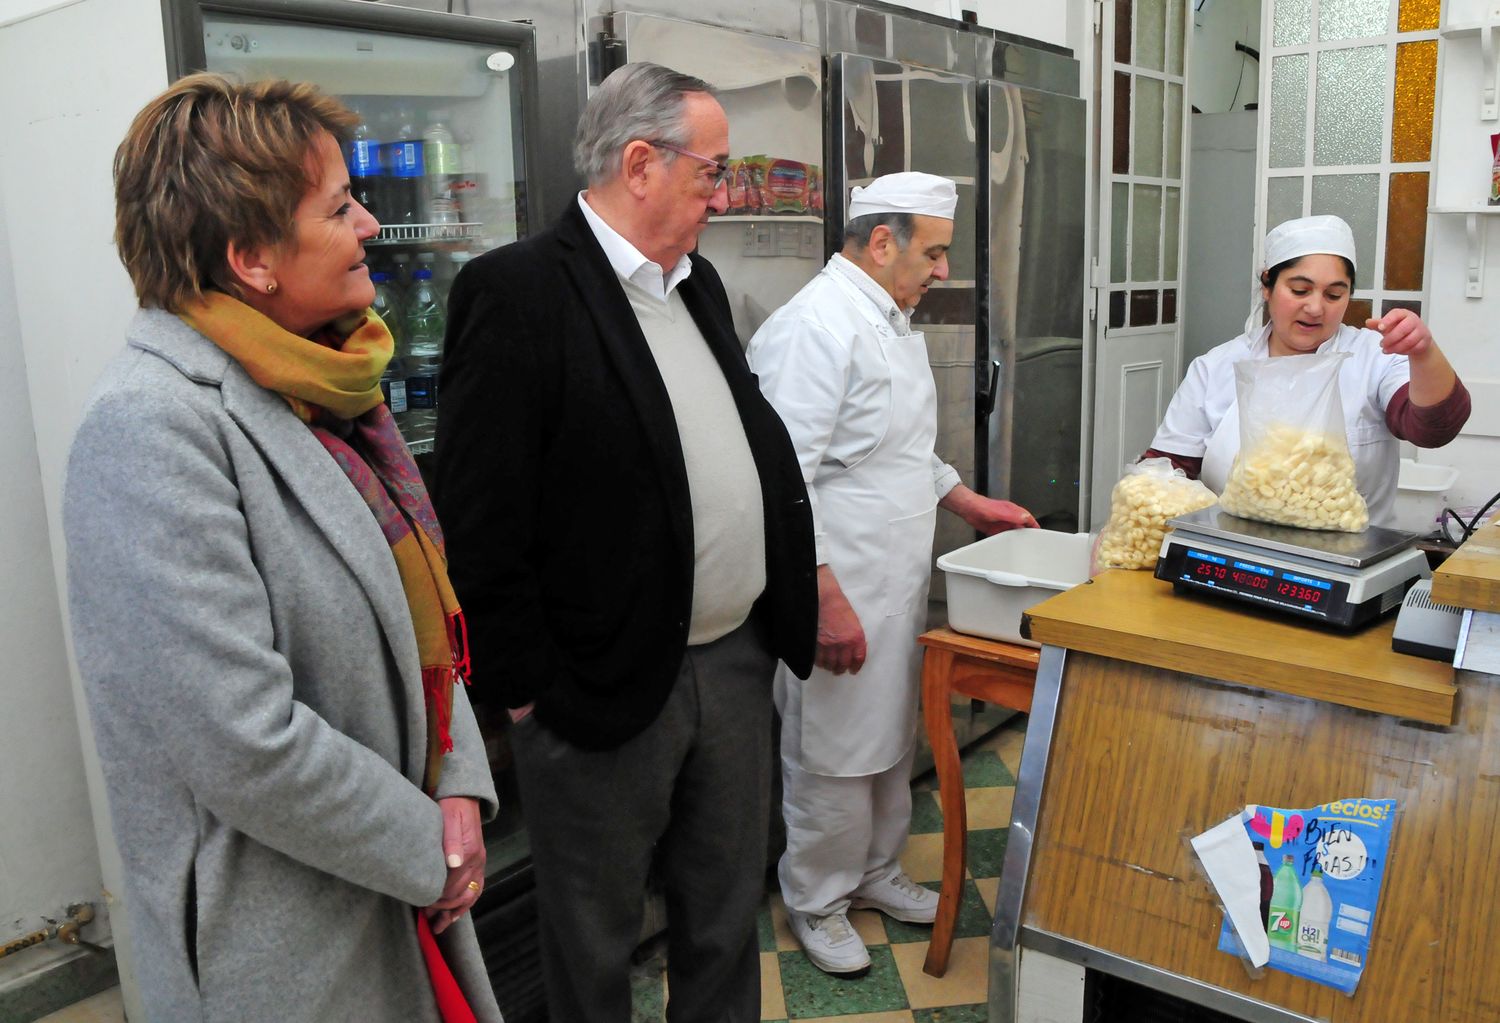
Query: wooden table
[(983, 669), (1155, 716)]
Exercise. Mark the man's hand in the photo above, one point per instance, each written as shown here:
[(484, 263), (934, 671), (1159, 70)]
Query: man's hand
[(987, 515), (463, 851), (841, 639)]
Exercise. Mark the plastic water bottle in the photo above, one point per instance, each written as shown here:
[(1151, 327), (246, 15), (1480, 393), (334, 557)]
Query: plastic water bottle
[(401, 275), (407, 170), (455, 263), (1286, 907), (388, 307), (366, 178), (425, 324), (1317, 914), (444, 170), (429, 261)]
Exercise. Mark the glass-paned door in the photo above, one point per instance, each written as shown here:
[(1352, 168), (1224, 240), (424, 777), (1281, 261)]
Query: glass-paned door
[(1143, 149), (1346, 127)]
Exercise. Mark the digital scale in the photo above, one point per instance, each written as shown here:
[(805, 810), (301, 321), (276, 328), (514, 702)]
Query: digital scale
[(1338, 579)]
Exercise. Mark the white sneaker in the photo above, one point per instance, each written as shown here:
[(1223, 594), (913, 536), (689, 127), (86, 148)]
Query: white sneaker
[(899, 898), (830, 942)]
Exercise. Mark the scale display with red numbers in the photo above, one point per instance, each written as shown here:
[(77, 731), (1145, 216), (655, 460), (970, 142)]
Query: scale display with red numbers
[(1338, 579)]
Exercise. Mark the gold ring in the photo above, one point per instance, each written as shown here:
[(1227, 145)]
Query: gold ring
[(473, 886)]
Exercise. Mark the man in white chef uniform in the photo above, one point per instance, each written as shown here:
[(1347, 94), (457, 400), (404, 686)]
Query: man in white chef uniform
[(851, 380)]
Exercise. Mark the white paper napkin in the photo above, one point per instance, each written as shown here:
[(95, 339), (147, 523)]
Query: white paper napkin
[(1229, 859)]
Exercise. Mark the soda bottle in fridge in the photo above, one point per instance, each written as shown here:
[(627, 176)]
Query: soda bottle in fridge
[(366, 179), (1286, 907), (1317, 914), (407, 171), (425, 324)]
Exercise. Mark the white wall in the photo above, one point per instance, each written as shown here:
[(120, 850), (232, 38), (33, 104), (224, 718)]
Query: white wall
[(1468, 329), (48, 857), (61, 121), (1217, 69)]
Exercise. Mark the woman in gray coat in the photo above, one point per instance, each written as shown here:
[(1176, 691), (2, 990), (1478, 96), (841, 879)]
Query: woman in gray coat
[(260, 606)]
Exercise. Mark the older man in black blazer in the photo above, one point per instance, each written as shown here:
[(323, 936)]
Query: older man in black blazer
[(629, 536)]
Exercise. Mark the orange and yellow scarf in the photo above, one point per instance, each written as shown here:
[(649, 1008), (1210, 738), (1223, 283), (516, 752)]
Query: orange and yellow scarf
[(334, 381)]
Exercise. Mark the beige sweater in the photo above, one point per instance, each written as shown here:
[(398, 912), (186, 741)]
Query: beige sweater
[(729, 530)]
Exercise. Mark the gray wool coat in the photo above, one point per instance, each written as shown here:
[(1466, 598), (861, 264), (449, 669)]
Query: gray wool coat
[(253, 679)]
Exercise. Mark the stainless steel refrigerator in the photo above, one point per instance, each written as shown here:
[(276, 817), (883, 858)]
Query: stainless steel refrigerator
[(1005, 332)]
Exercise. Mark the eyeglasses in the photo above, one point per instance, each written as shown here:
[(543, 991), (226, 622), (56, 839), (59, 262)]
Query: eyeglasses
[(718, 165)]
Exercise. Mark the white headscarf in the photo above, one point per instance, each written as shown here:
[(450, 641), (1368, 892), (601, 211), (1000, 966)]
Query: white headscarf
[(926, 195), (1305, 236)]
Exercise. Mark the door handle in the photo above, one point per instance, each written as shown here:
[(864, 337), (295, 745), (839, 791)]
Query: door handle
[(984, 400)]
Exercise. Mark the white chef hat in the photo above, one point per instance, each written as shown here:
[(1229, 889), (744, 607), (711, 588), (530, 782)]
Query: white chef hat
[(927, 195), (1294, 239)]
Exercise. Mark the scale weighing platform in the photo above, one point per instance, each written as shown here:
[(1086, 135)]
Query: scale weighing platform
[(1338, 579)]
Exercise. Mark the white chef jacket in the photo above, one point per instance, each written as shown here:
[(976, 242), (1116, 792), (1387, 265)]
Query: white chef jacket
[(820, 365), (1205, 408)]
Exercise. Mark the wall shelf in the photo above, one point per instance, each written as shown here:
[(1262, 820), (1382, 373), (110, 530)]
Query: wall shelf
[(1474, 263), (1489, 98)]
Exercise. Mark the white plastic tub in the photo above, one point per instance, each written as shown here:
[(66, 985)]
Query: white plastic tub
[(990, 583), (1421, 493)]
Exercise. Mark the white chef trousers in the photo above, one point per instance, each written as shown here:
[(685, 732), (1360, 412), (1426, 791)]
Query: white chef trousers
[(841, 833)]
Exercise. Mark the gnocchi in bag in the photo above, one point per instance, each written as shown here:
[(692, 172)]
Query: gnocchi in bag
[(1140, 505), (1294, 466)]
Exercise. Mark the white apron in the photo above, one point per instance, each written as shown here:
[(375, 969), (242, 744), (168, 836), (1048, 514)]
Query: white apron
[(878, 516)]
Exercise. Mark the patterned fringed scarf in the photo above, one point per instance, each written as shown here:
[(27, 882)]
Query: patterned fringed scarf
[(334, 381)]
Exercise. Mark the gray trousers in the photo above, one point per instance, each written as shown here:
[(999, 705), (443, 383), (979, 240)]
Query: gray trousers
[(692, 791)]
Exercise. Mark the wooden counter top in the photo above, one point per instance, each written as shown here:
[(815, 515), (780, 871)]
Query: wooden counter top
[(1471, 575), (1134, 617)]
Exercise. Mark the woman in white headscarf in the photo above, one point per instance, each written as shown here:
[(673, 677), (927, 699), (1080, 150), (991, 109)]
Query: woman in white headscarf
[(1396, 385)]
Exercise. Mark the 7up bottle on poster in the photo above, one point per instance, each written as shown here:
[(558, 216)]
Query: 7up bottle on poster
[(1286, 907)]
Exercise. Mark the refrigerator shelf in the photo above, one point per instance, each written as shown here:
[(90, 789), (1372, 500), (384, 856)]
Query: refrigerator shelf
[(406, 234)]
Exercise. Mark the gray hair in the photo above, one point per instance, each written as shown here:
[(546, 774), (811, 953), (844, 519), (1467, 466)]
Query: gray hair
[(638, 101), (857, 232)]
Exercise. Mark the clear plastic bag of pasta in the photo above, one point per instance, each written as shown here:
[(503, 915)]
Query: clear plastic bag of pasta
[(1149, 494), (1294, 466)]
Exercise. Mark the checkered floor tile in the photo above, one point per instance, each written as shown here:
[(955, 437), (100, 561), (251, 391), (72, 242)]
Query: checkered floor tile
[(895, 990)]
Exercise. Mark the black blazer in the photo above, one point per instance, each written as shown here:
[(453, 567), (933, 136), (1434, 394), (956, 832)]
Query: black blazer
[(562, 491)]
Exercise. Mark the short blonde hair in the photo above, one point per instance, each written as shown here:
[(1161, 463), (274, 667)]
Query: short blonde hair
[(209, 162)]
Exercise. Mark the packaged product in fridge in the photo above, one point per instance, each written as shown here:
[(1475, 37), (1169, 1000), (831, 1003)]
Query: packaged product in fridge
[(755, 183), (786, 187), (739, 183), (1495, 170)]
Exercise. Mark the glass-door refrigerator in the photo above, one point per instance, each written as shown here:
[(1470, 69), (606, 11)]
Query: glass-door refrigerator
[(447, 106)]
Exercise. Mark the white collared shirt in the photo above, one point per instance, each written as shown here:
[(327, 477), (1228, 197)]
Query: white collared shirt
[(899, 319), (627, 261)]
